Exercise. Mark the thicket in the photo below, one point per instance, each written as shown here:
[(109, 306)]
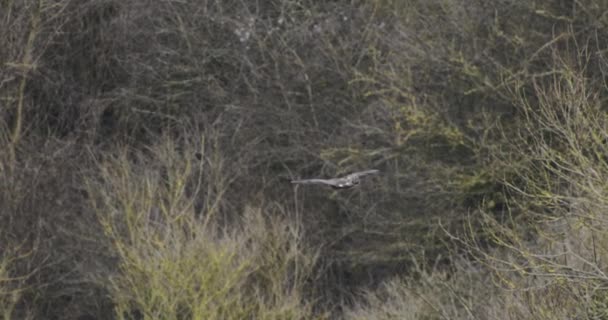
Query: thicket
[(146, 150)]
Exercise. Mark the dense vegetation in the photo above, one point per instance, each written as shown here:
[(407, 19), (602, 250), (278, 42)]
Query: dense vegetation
[(146, 149)]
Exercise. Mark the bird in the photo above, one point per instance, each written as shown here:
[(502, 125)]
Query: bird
[(345, 182)]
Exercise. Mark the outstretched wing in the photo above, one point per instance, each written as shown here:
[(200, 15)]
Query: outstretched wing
[(313, 181), (363, 173)]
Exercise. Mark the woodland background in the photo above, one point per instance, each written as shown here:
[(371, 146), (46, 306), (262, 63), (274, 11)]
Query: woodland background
[(488, 120)]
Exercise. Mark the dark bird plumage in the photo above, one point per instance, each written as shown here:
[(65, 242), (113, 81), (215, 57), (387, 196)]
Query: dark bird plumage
[(345, 182)]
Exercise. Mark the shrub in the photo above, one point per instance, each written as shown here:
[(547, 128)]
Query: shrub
[(177, 259)]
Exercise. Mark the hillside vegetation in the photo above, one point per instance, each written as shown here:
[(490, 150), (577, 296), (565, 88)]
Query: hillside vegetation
[(147, 148)]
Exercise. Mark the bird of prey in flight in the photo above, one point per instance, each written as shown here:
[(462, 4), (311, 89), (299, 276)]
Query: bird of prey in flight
[(345, 182)]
